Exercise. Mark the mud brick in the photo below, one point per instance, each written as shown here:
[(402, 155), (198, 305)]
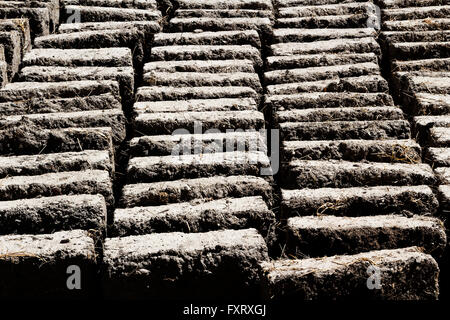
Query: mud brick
[(309, 35), (318, 60), (166, 123), (423, 125), (415, 36), (439, 137), (368, 130), (3, 72), (223, 13), (35, 266), (424, 73), (321, 73), (392, 4), (55, 162), (28, 139), (103, 14), (165, 145), (191, 217), (57, 183), (23, 27), (133, 4), (420, 50), (407, 151), (443, 175), (132, 38), (39, 18), (417, 13), (54, 7), (359, 201), (422, 93), (418, 24), (211, 188), (225, 4), (198, 105), (326, 10), (183, 93), (211, 264), (96, 118), (70, 139), (330, 235), (123, 75), (406, 274), (361, 45), (207, 52), (40, 105), (148, 28), (339, 21), (327, 100), (201, 79), (294, 3), (434, 82), (235, 37), (11, 43), (45, 215), (262, 25), (444, 198), (337, 114), (105, 57), (413, 82), (420, 65), (438, 157), (212, 66), (32, 90), (343, 174), (362, 84), (153, 169)]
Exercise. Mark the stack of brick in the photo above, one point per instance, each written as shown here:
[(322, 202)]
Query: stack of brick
[(56, 173), (351, 178), (195, 208), (56, 65), (416, 41), (62, 124), (43, 15), (93, 24)]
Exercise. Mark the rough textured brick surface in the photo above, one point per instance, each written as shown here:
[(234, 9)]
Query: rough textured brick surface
[(26, 139), (49, 214), (55, 184), (233, 37), (359, 201), (330, 235), (166, 123), (164, 145), (211, 264), (406, 151), (54, 162), (216, 187), (36, 265), (151, 169), (190, 217), (307, 279), (319, 174)]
